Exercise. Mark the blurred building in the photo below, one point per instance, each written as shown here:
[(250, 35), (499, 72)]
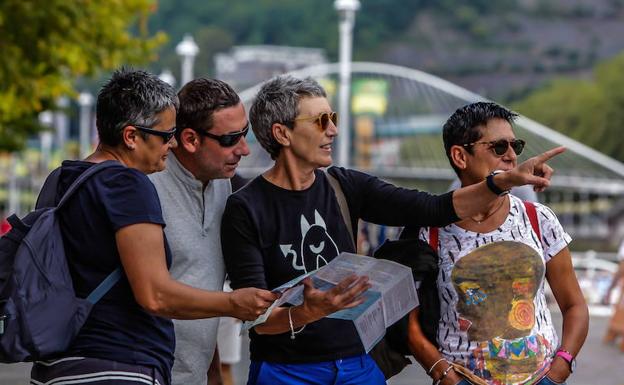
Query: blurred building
[(247, 65)]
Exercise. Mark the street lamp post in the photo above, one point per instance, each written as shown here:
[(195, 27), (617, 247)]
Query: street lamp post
[(85, 100), (346, 11), (46, 118), (167, 77), (187, 49), (14, 203), (61, 124)]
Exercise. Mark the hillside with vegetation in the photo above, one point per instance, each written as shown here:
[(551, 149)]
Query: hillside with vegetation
[(554, 60), (512, 51), (503, 49), (588, 110)]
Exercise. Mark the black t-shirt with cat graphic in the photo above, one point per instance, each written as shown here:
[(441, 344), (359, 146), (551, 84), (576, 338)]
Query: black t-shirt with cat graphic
[(271, 235)]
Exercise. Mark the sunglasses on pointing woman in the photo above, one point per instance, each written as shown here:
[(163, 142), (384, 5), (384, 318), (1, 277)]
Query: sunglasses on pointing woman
[(322, 119), (227, 140), (500, 146)]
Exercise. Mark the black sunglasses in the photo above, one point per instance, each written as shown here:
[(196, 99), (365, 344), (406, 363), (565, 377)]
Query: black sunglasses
[(227, 140), (500, 146), (165, 135), (322, 119)]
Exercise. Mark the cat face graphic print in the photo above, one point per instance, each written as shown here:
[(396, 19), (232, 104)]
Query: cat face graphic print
[(316, 247), (496, 286)]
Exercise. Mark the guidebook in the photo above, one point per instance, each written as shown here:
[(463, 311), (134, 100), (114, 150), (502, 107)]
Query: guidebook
[(392, 295)]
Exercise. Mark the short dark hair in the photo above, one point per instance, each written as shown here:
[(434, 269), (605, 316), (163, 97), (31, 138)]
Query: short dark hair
[(464, 126), (278, 102), (131, 97), (199, 100)]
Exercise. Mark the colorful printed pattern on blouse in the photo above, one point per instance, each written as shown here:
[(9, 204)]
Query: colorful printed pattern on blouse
[(496, 286), (494, 317)]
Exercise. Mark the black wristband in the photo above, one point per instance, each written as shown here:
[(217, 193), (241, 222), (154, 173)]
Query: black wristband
[(489, 181)]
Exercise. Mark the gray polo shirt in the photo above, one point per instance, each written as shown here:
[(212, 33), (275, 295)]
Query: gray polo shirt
[(193, 217)]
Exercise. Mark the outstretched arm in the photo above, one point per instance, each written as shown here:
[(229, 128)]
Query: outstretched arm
[(472, 199), (142, 252)]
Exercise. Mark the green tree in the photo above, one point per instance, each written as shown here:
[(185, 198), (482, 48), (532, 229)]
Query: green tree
[(590, 111), (610, 78), (46, 45)]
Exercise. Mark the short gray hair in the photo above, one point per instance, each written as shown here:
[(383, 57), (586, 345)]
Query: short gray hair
[(131, 97), (278, 102)]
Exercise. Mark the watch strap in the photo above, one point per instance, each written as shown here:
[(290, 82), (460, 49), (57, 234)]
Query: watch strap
[(489, 181)]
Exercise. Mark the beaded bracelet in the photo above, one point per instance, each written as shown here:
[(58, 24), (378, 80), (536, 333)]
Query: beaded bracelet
[(446, 371), (292, 328)]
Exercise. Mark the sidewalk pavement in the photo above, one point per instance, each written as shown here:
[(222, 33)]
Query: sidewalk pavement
[(597, 364)]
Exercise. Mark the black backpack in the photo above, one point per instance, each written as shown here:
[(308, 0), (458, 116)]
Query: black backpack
[(39, 312), (389, 354), (423, 260)]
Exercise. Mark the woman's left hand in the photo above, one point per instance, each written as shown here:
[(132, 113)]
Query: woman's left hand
[(559, 370), (346, 294)]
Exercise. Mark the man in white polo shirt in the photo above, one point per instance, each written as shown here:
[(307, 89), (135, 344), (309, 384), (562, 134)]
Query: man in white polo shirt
[(193, 189)]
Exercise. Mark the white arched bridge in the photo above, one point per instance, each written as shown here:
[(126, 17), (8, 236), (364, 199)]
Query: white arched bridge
[(397, 115), (396, 123)]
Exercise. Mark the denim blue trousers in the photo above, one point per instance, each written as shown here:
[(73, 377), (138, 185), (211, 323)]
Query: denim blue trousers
[(358, 370)]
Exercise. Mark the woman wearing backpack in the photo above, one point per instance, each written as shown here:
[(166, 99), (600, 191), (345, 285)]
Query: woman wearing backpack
[(114, 220), (495, 327)]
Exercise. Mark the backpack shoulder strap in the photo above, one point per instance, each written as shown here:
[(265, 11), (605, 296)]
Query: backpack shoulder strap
[(433, 238), (113, 277), (47, 195), (532, 214), (83, 178), (342, 203), (104, 286)]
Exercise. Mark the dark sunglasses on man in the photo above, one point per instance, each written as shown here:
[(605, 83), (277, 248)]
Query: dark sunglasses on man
[(165, 135), (322, 119), (227, 140), (500, 146)]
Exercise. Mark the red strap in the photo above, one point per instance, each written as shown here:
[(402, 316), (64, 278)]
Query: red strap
[(433, 238), (532, 213)]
